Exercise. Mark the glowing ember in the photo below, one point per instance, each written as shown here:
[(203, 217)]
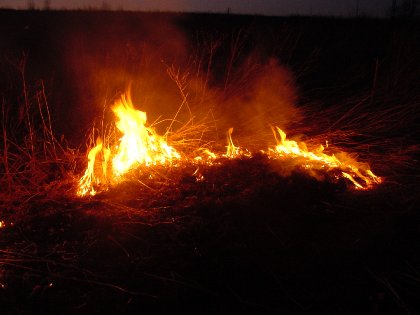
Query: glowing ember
[(140, 145)]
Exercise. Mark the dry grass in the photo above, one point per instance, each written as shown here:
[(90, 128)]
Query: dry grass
[(214, 233), (378, 133), (33, 160)]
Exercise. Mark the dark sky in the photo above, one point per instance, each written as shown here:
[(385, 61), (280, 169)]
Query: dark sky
[(266, 7)]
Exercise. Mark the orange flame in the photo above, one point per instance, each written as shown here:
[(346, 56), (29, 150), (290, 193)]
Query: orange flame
[(91, 177), (140, 145), (231, 150), (350, 168)]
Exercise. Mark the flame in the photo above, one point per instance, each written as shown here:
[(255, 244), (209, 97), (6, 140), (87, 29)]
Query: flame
[(90, 177), (231, 150), (140, 145), (359, 174)]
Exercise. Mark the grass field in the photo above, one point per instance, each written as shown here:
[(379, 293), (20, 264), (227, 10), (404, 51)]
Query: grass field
[(243, 235)]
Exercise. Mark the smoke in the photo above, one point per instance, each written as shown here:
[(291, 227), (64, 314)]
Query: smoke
[(174, 76), (108, 51), (268, 98)]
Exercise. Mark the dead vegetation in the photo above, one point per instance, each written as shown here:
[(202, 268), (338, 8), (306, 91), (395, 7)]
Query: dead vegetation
[(236, 236)]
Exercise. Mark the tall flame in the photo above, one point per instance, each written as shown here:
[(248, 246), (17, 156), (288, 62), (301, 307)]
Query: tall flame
[(139, 145), (231, 150), (92, 176)]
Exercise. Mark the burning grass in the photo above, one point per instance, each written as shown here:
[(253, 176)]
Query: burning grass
[(171, 233), (140, 145), (229, 224)]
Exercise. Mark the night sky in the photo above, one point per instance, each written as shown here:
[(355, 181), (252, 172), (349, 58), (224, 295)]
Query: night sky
[(265, 7)]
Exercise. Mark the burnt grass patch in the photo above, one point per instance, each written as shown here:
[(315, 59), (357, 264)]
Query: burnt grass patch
[(241, 239)]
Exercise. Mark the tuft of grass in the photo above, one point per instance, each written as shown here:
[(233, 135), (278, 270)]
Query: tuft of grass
[(33, 158)]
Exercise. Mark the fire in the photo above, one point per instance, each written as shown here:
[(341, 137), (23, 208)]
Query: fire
[(231, 150), (91, 177), (140, 145), (349, 168)]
